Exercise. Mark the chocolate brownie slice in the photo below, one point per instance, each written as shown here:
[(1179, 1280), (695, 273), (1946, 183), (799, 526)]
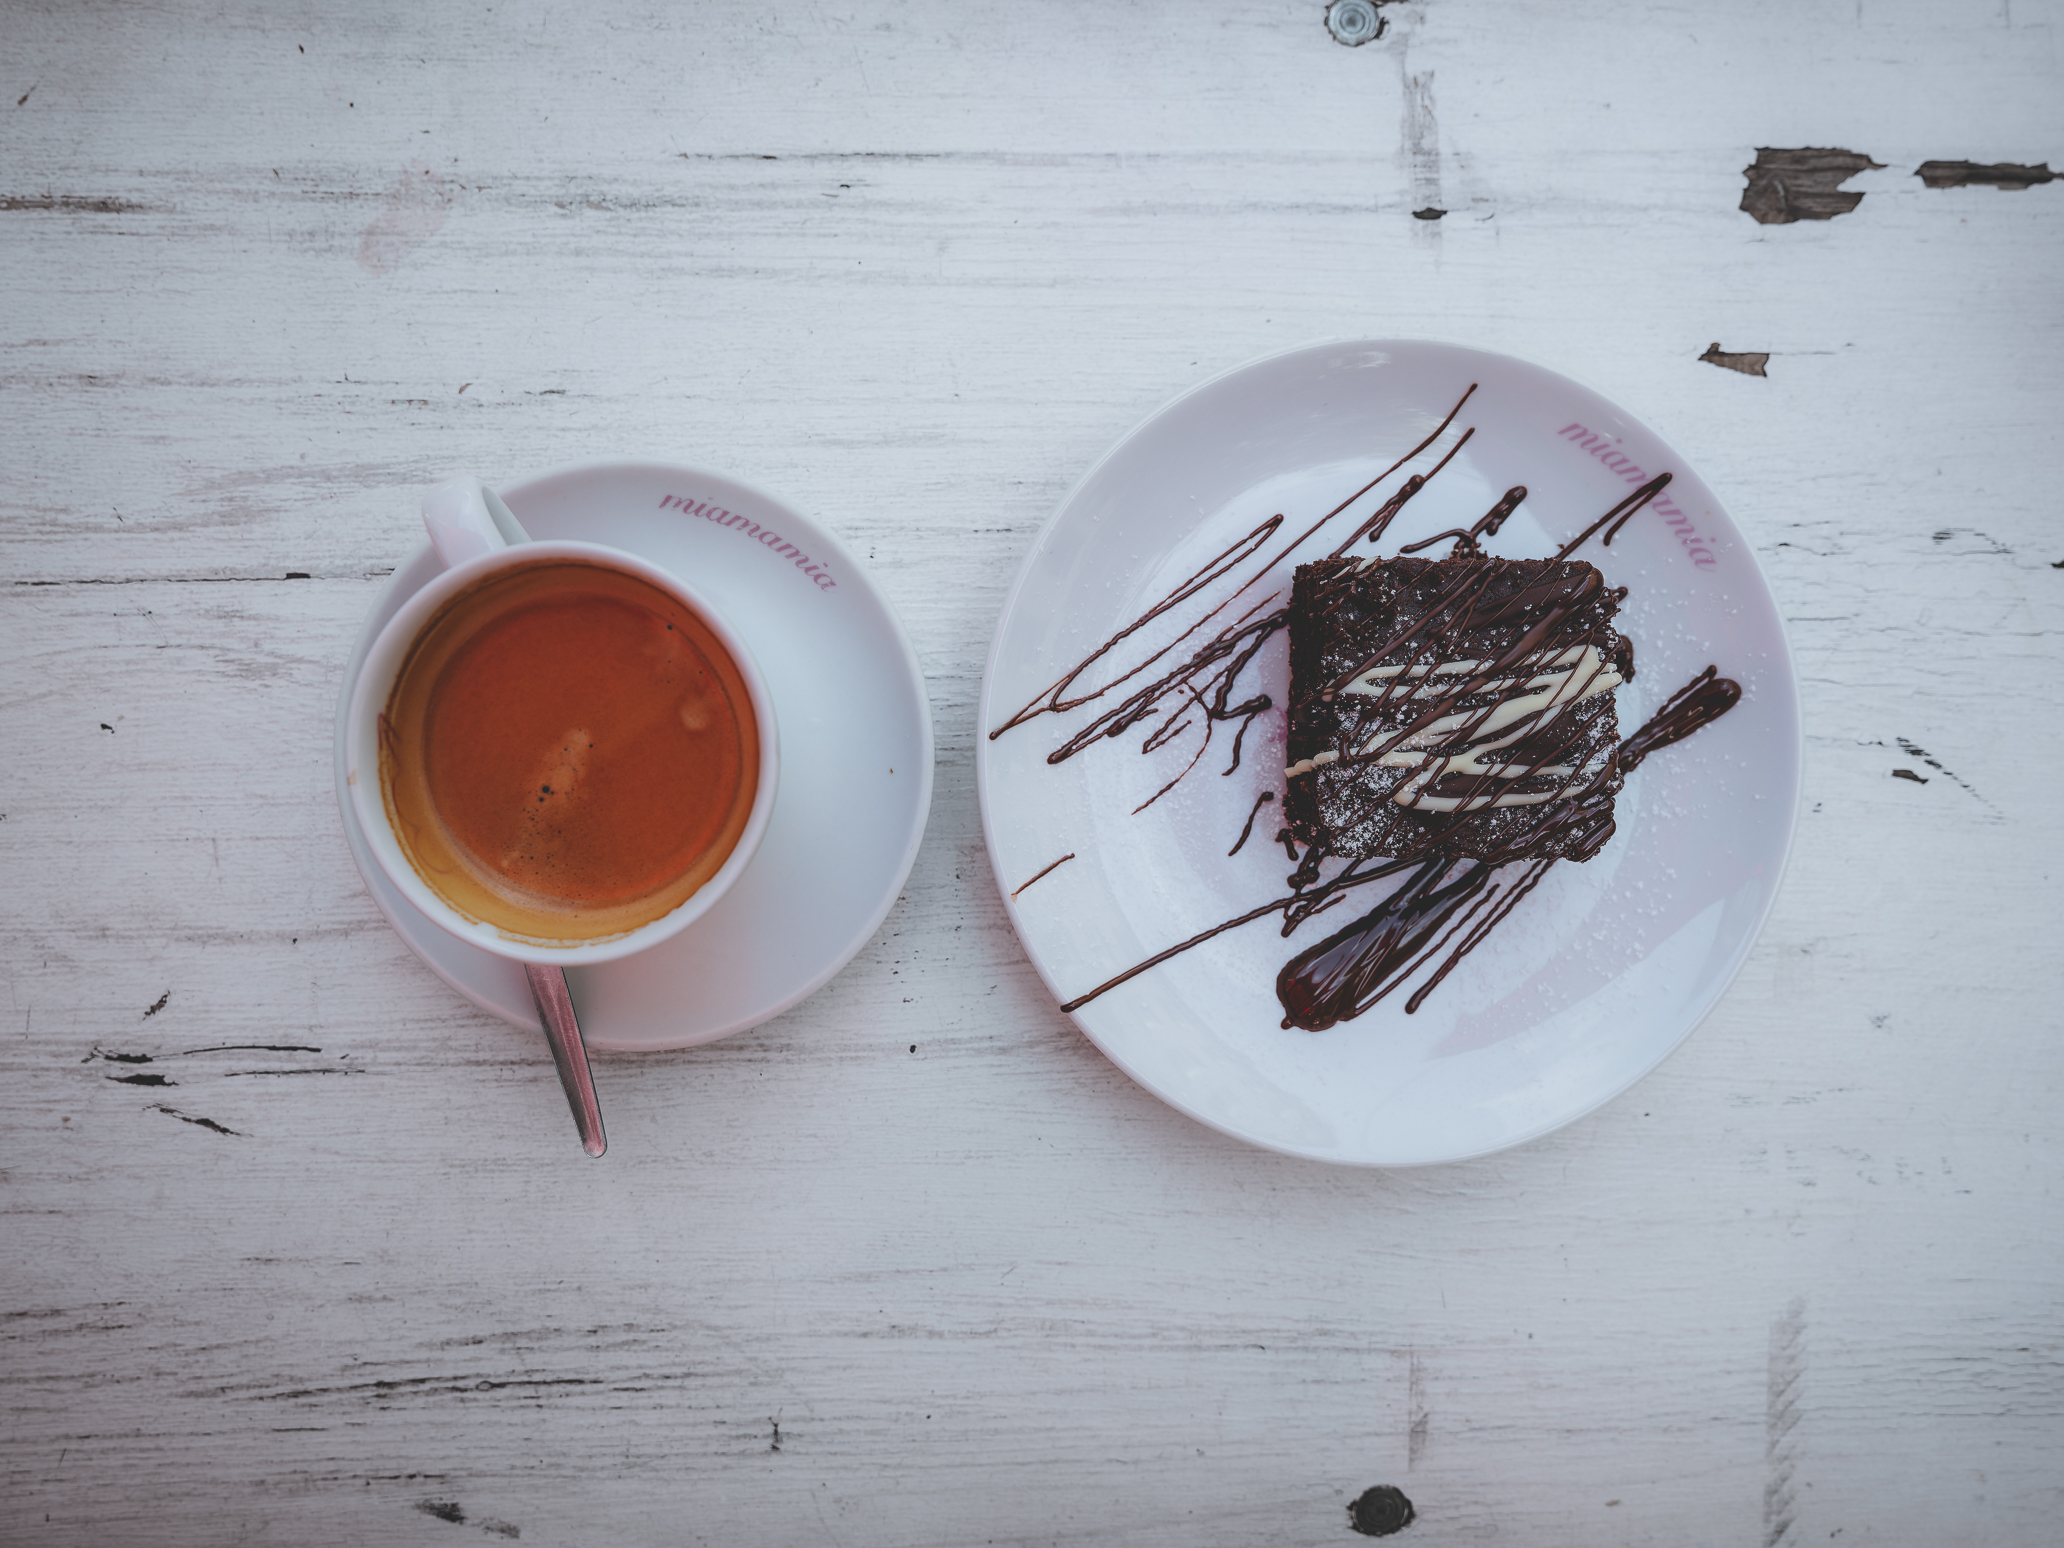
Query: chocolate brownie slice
[(1458, 706)]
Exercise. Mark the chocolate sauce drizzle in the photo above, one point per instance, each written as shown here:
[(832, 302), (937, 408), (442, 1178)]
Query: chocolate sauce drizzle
[(1353, 968), (1042, 871), (1248, 826), (1486, 525), (1618, 517), (1698, 703), (1446, 907), (1203, 682)]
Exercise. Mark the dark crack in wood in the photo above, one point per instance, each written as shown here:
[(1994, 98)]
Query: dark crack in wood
[(199, 1123), (253, 1048), (1783, 1409), (1916, 751), (68, 202)]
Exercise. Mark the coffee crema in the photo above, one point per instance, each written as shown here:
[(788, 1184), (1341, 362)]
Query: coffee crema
[(568, 753)]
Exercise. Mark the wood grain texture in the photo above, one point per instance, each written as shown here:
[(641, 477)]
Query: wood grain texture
[(298, 1247)]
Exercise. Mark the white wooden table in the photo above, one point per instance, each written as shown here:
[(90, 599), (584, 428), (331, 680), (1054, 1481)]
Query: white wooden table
[(298, 1246)]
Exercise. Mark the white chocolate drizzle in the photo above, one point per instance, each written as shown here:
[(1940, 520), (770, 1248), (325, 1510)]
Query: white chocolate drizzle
[(1530, 702)]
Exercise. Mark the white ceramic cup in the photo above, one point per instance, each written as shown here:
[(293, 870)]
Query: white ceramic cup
[(477, 537)]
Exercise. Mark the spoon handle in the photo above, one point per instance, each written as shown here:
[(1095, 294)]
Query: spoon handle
[(562, 1031)]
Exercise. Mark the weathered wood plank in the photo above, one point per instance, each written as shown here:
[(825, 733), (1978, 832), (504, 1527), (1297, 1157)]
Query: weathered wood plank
[(298, 1247)]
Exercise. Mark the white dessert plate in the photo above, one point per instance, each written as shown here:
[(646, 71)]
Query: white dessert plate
[(1595, 977), (856, 762)]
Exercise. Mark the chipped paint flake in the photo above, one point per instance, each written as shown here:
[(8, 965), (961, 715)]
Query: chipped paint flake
[(1748, 362), (1803, 184), (1995, 174)]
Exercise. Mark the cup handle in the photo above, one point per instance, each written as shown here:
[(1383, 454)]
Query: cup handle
[(467, 519)]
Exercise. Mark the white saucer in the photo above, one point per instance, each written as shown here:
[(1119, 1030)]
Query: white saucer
[(856, 762), (1595, 977)]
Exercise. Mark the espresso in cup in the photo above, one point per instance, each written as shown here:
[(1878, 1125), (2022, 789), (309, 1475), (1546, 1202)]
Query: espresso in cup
[(568, 752)]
